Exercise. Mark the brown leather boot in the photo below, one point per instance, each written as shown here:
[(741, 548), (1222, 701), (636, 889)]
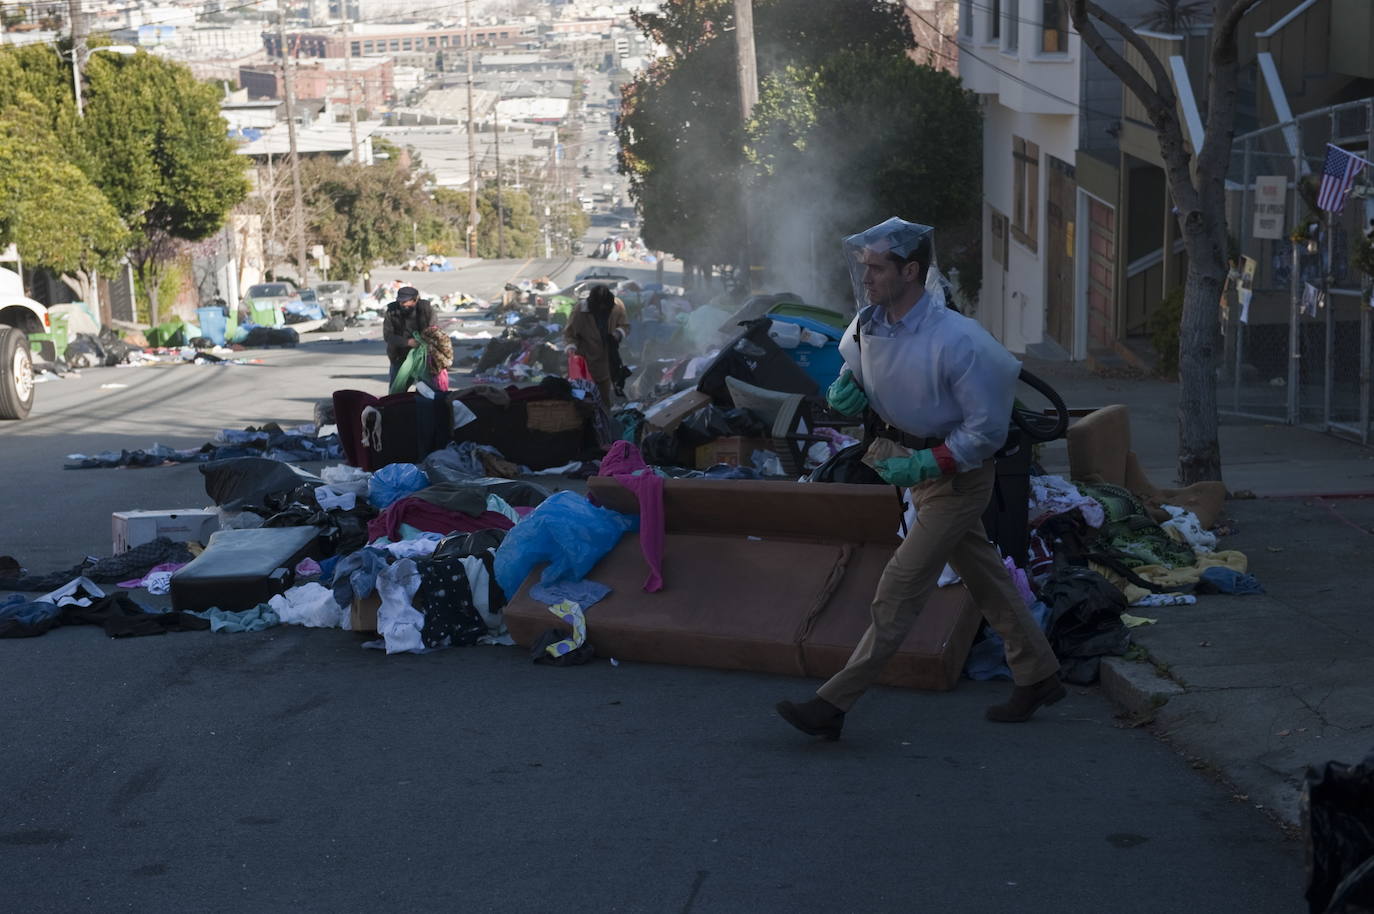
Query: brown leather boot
[(816, 717), (1026, 699)]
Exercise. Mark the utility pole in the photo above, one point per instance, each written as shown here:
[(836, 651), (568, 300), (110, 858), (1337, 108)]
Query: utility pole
[(348, 78), (298, 203), (472, 136), (78, 49), (746, 64), (500, 214)]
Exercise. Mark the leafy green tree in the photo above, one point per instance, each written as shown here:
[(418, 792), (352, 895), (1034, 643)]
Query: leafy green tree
[(159, 150), (680, 131), (364, 215), (49, 207), (857, 140), (522, 229)]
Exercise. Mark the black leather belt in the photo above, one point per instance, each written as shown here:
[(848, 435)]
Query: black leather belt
[(915, 442)]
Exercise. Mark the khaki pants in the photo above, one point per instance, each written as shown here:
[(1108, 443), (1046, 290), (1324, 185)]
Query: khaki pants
[(949, 528)]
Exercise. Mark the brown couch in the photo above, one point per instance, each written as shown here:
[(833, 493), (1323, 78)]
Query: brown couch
[(1100, 451), (766, 576)]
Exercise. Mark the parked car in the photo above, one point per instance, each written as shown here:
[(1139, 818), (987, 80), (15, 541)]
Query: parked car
[(19, 316), (337, 298), (604, 274), (265, 303)]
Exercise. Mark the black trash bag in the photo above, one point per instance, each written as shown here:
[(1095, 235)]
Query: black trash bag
[(84, 352), (117, 352), (242, 482), (332, 324), (463, 545), (497, 351), (202, 342), (847, 466), (341, 532), (552, 360), (746, 423), (1338, 820), (704, 426), (754, 358), (271, 336), (661, 449), (1085, 621), (576, 657)]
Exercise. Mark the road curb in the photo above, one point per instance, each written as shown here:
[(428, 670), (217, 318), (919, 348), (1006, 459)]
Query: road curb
[(1136, 687)]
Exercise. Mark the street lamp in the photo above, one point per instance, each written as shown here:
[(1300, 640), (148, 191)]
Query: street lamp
[(124, 49)]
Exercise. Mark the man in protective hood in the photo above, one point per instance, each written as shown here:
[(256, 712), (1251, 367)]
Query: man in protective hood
[(943, 390)]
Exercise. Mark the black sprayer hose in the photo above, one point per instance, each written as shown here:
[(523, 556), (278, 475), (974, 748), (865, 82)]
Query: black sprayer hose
[(1037, 425)]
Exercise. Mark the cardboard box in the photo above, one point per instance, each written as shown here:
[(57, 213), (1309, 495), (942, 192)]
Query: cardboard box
[(181, 525), (735, 452), (363, 616), (667, 414)]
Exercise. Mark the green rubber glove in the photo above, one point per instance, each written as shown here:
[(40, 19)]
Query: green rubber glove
[(908, 471), (846, 396)]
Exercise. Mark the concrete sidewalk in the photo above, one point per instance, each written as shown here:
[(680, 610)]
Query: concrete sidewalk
[(1255, 688)]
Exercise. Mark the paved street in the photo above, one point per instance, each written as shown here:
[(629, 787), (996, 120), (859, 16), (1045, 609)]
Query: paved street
[(292, 770)]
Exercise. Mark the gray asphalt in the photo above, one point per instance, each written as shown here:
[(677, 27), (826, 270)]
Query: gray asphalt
[(293, 770)]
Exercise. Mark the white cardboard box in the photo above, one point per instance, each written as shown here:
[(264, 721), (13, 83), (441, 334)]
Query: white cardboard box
[(182, 525)]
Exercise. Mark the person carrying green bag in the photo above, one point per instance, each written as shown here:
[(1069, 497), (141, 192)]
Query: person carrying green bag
[(406, 318)]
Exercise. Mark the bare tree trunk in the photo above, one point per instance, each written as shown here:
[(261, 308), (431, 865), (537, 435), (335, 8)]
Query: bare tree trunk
[(149, 277), (80, 282), (1199, 349), (1198, 189)]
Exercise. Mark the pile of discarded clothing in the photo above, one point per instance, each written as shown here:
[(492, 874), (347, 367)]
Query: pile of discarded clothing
[(522, 353), (299, 443)]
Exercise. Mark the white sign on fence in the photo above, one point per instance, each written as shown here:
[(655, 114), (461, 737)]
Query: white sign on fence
[(1271, 200)]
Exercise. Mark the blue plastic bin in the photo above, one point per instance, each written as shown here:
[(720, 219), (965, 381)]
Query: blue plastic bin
[(823, 363), (213, 324)]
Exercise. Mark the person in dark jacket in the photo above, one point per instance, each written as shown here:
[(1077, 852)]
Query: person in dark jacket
[(405, 317)]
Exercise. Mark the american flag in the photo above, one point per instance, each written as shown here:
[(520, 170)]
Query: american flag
[(1338, 174)]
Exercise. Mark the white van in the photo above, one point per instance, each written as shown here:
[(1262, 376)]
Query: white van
[(19, 316)]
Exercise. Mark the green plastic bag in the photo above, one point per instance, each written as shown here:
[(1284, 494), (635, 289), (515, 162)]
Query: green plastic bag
[(414, 368)]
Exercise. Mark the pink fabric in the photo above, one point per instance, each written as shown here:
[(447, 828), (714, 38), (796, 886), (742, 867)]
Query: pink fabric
[(138, 582), (429, 517), (622, 461), (623, 457), (441, 379)]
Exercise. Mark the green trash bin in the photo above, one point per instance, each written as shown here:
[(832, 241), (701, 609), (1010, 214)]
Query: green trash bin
[(53, 344)]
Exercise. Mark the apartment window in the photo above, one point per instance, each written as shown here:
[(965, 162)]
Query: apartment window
[(405, 44), (1013, 30), (1054, 27), (995, 20), (433, 42), (395, 44), (966, 17), (443, 41), (1025, 190), (355, 48)]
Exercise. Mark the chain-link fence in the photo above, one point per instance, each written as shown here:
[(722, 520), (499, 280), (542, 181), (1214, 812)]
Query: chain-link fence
[(1296, 315)]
